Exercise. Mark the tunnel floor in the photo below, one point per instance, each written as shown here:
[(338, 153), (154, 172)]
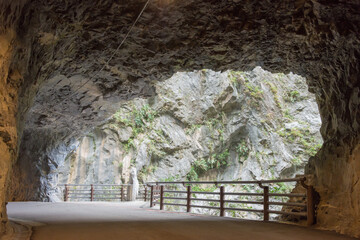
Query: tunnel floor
[(134, 220)]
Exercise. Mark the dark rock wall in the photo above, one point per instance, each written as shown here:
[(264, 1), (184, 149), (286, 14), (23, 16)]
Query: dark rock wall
[(67, 42)]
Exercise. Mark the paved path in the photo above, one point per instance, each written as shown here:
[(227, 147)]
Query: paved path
[(133, 220)]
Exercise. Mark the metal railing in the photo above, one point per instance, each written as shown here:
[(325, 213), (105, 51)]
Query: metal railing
[(143, 193), (161, 193), (100, 192)]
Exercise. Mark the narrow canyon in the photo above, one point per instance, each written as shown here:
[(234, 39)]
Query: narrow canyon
[(200, 89)]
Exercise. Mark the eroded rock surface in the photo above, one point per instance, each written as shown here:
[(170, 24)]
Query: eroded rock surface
[(219, 126), (59, 46)]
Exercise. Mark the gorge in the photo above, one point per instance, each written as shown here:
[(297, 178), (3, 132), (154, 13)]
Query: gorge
[(52, 92)]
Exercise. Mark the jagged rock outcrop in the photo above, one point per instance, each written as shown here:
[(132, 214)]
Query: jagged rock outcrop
[(204, 124), (58, 47)]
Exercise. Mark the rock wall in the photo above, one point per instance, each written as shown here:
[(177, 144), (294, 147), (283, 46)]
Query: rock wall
[(204, 124), (8, 109), (62, 45), (11, 82)]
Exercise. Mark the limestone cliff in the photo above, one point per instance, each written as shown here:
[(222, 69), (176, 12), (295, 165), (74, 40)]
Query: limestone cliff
[(204, 124)]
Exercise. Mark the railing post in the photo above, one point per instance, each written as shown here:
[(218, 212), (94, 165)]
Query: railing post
[(92, 193), (145, 193), (66, 198), (222, 201), (151, 195), (266, 203), (310, 205), (122, 193), (162, 197), (188, 199)]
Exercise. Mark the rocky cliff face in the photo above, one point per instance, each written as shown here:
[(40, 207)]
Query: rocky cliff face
[(57, 48), (204, 124)]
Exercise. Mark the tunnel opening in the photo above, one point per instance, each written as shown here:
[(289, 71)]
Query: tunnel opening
[(201, 125), (308, 38)]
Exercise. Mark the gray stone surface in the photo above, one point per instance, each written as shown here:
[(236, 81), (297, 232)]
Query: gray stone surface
[(44, 39), (87, 221), (197, 115)]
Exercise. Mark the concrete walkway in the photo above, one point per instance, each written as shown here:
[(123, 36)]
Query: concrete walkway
[(134, 220)]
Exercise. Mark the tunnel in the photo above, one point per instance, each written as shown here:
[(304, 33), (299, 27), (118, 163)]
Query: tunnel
[(58, 82)]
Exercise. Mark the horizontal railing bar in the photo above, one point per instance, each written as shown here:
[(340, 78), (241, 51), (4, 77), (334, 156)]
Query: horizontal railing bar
[(244, 210), (288, 204), (247, 202), (286, 195), (78, 190), (95, 198), (174, 198), (204, 199), (209, 207), (79, 195), (107, 185), (303, 214), (175, 204), (108, 190), (73, 197), (107, 199), (172, 191), (76, 193), (104, 193), (214, 193), (244, 194), (114, 193), (115, 196), (231, 182)]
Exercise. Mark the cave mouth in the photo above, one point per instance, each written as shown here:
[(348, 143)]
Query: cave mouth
[(318, 39), (200, 125)]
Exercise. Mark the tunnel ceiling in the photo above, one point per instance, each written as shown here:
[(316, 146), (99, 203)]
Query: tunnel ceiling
[(58, 47)]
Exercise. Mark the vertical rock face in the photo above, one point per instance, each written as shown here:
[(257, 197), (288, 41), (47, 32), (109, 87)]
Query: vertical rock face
[(12, 71), (59, 47), (8, 110), (204, 124)]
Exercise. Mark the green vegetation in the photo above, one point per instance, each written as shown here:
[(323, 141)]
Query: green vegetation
[(145, 171), (200, 166), (192, 175), (274, 91), (139, 119), (171, 178), (313, 149), (254, 91), (281, 188), (301, 136), (242, 150), (292, 96), (152, 150), (121, 167), (192, 129), (296, 161), (235, 76), (203, 188), (216, 126), (287, 115), (129, 145)]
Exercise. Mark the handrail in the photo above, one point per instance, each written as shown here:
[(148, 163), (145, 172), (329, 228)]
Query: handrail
[(159, 195), (105, 185), (298, 179), (94, 192)]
